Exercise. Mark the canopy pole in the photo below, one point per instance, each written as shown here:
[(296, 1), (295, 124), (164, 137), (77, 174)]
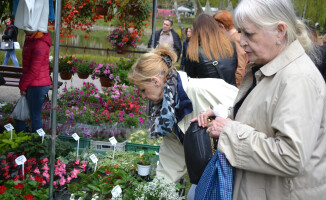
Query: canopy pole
[(54, 92), (153, 41)]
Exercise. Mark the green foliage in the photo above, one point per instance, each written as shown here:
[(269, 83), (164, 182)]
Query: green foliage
[(7, 108), (146, 158), (84, 67), (7, 144), (22, 190)]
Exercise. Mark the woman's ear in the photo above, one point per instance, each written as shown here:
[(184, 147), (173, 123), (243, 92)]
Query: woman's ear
[(281, 31), (156, 81)]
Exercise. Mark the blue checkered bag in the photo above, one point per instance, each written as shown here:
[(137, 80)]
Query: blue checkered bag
[(217, 180)]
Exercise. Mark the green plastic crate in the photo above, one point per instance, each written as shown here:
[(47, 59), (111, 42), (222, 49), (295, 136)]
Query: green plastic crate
[(83, 142), (141, 147)]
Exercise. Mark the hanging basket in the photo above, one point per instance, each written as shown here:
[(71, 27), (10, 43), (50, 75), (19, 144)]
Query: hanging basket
[(65, 76), (101, 10), (143, 170), (121, 50), (83, 76), (105, 82)]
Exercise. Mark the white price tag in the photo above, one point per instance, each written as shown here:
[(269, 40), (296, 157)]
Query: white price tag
[(20, 160), (113, 140), (75, 136), (116, 191), (141, 153), (9, 127), (40, 132), (93, 158)]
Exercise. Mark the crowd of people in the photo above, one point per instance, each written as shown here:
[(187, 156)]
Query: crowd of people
[(274, 136)]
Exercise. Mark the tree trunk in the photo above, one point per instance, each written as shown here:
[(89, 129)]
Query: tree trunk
[(179, 20)]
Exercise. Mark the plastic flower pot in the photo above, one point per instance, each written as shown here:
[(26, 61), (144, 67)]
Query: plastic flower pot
[(143, 170)]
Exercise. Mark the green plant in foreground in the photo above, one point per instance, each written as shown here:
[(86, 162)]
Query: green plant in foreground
[(7, 144)]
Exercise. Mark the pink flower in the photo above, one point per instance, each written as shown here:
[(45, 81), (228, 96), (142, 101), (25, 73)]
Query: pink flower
[(36, 171), (75, 172), (46, 168), (32, 177), (141, 120), (62, 181), (77, 161), (68, 179), (54, 182), (46, 175)]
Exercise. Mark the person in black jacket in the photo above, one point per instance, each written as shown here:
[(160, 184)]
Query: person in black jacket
[(10, 34), (167, 35), (188, 32), (210, 53)]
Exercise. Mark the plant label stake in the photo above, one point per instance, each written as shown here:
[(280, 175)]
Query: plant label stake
[(114, 143), (20, 161), (76, 137), (116, 191), (41, 133), (9, 127), (94, 159)]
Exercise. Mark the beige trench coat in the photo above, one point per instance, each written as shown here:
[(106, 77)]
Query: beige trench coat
[(278, 141), (203, 93)]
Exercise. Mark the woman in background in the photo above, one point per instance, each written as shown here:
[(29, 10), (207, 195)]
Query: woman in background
[(210, 53), (185, 47)]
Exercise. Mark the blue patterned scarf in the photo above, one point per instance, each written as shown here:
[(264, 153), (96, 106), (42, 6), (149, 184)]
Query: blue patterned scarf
[(163, 115)]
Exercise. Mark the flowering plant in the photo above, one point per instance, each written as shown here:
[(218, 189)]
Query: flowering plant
[(23, 190), (67, 64), (38, 170), (157, 189), (146, 158), (102, 70), (84, 67), (121, 38)]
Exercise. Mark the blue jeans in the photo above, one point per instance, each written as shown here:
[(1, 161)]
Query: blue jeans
[(12, 55), (35, 99)]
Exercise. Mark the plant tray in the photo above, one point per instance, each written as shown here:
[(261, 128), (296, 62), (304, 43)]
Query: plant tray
[(83, 142), (141, 147), (107, 146)]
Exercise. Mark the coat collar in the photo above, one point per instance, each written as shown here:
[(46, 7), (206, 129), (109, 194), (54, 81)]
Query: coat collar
[(291, 52)]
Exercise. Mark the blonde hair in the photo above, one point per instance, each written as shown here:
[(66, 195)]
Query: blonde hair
[(268, 14), (151, 64)]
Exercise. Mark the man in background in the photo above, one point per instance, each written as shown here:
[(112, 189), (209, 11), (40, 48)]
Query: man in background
[(225, 21), (167, 35)]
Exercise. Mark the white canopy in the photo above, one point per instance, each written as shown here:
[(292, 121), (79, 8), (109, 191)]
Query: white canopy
[(184, 9)]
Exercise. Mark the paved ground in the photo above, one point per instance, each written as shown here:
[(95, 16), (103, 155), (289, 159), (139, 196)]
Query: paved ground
[(11, 94)]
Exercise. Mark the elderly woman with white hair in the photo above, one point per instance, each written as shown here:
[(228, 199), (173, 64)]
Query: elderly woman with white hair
[(275, 136)]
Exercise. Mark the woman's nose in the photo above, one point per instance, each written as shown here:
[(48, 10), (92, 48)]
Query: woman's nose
[(243, 42)]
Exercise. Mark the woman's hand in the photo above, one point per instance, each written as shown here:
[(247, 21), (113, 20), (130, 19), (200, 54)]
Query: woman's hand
[(22, 93), (216, 126), (202, 118)]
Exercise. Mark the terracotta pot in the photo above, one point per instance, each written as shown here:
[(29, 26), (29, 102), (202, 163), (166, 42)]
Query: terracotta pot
[(101, 10), (121, 50), (83, 76), (65, 76), (105, 82)]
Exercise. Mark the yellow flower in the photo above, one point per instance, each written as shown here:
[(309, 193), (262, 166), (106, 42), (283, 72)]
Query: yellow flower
[(68, 61)]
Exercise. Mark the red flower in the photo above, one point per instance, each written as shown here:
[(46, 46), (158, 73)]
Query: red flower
[(28, 197), (2, 189), (19, 186)]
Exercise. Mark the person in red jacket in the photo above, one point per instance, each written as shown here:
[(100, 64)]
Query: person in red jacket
[(35, 81)]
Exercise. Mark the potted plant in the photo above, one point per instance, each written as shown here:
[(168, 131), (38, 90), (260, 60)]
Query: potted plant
[(25, 189), (84, 68), (105, 73), (122, 39), (66, 67), (144, 162), (103, 6)]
